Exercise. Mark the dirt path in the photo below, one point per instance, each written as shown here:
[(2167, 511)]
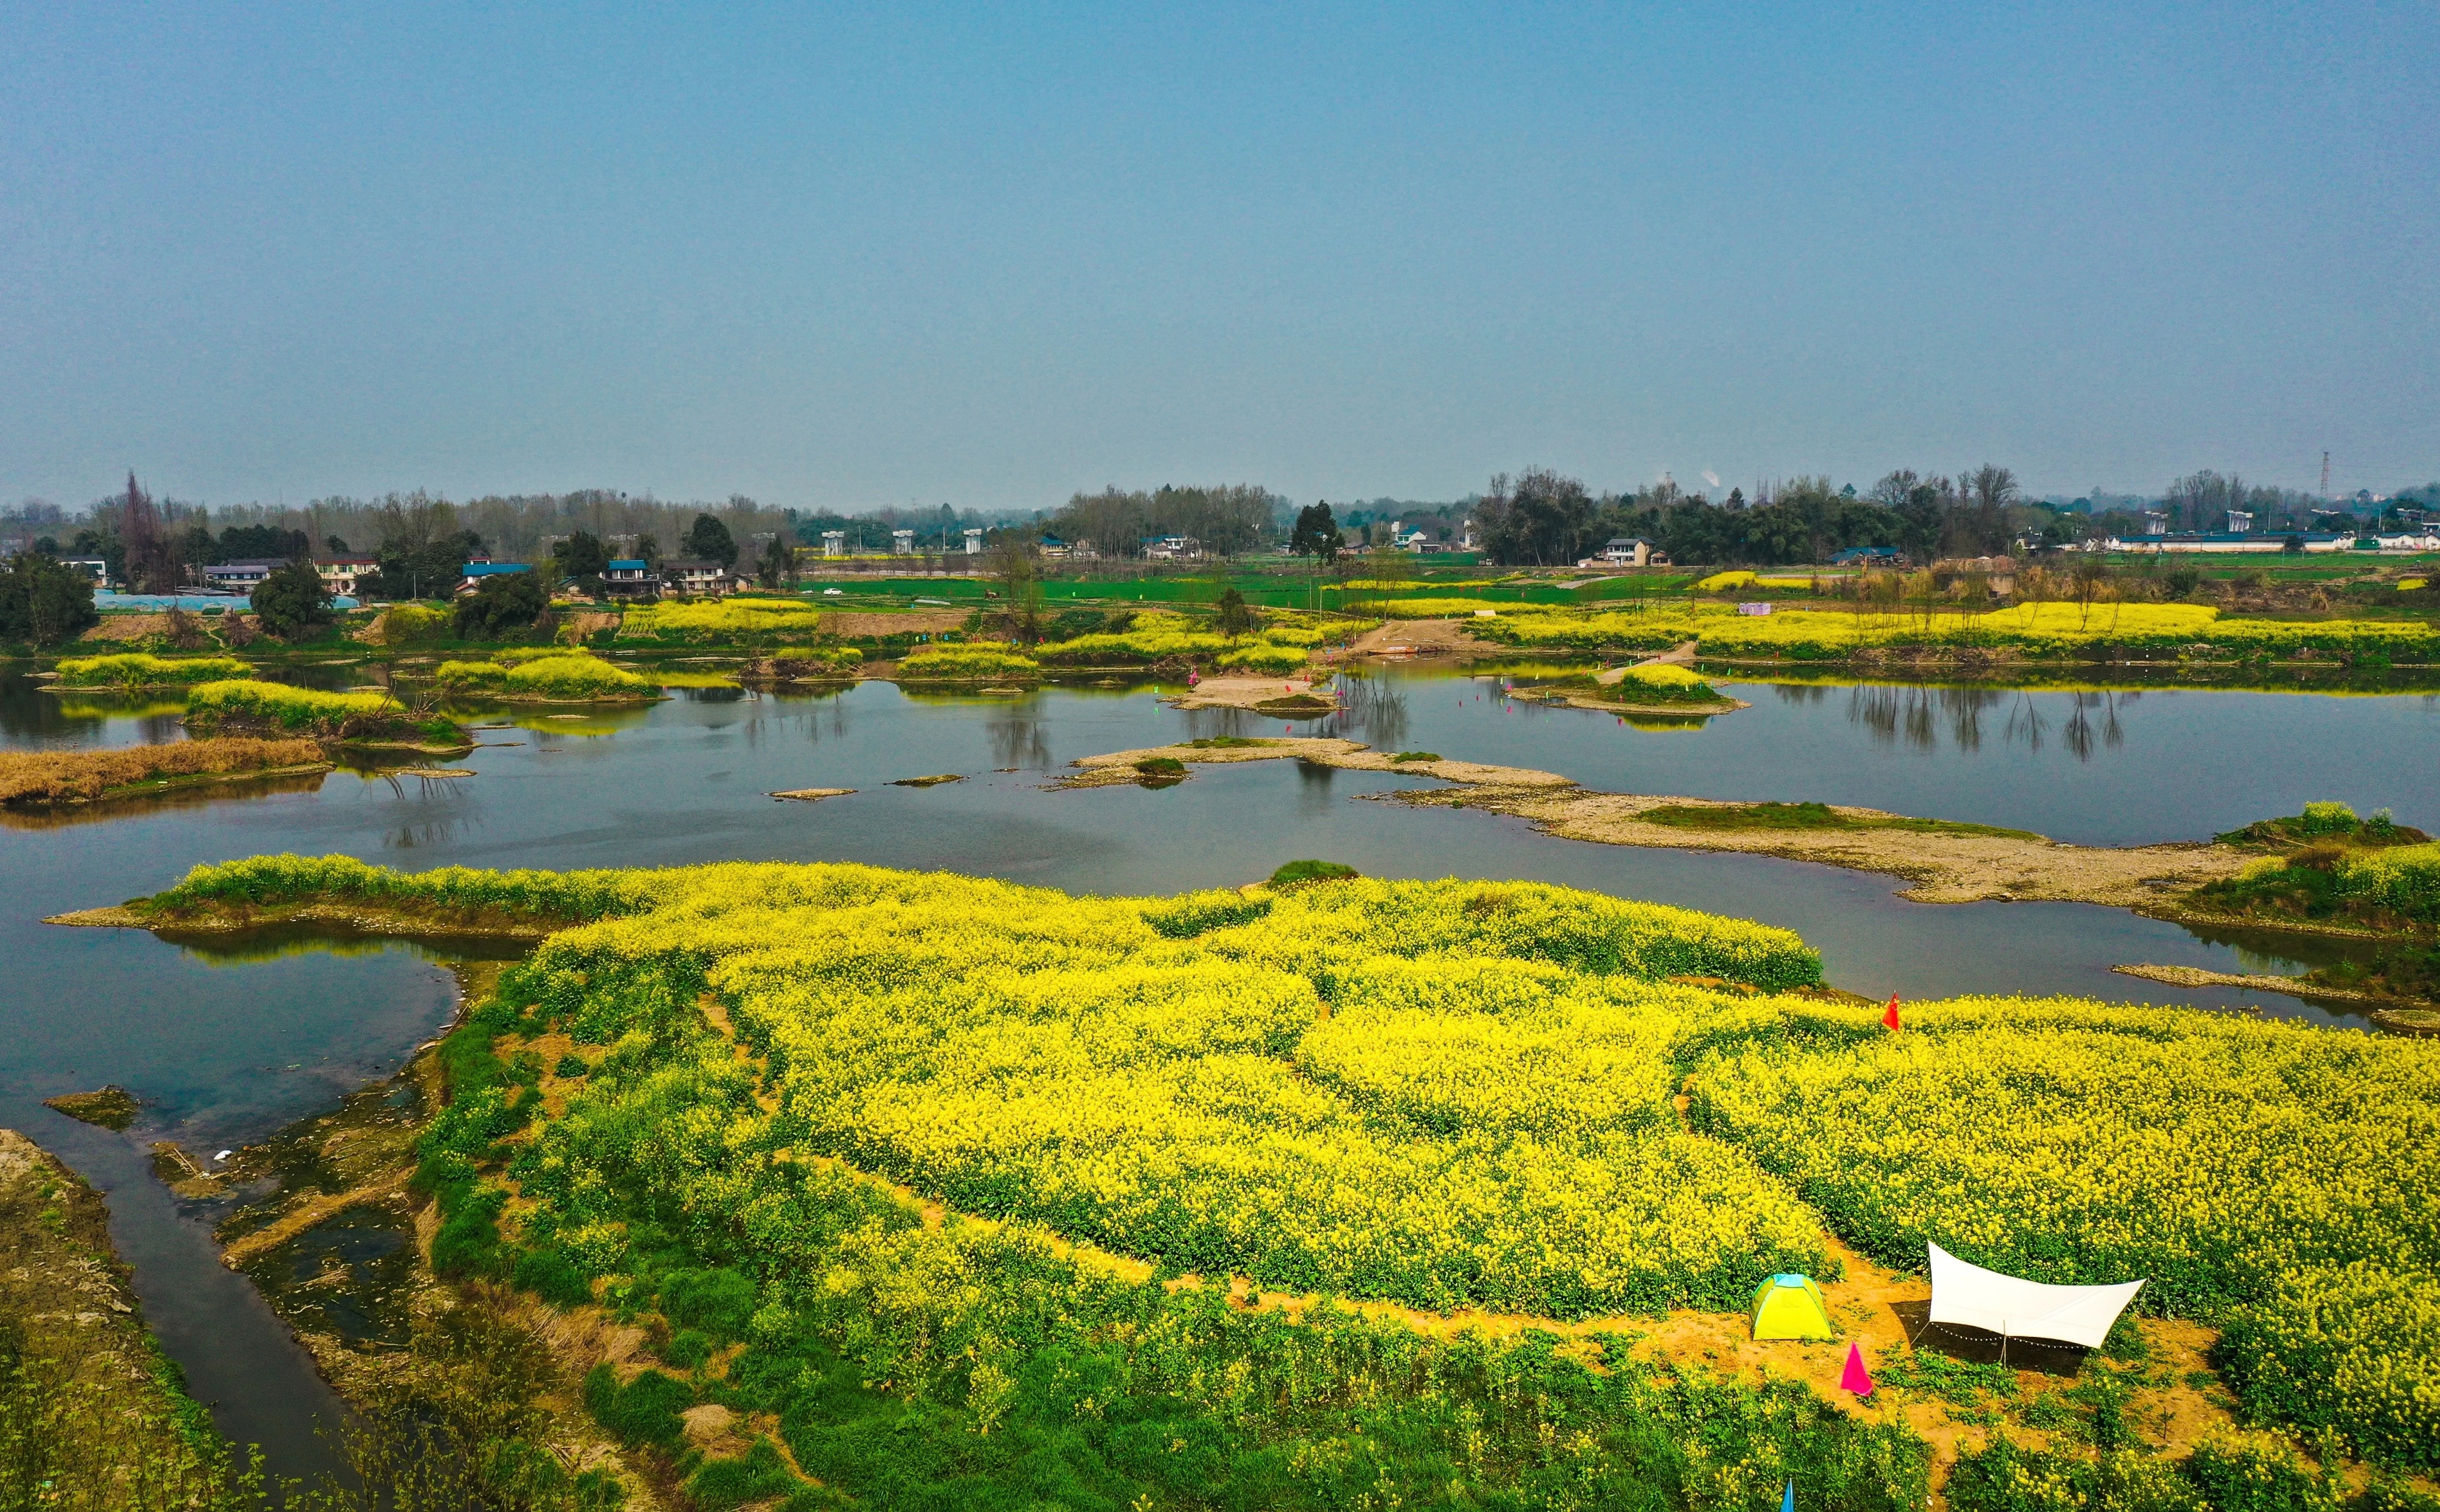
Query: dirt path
[(1419, 637)]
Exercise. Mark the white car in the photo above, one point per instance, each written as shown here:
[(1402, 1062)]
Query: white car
[(833, 593)]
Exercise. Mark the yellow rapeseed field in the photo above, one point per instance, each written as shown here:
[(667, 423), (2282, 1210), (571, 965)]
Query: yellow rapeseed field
[(1439, 1093)]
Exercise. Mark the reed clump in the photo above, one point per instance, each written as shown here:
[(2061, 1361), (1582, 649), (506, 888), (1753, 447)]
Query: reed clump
[(32, 777)]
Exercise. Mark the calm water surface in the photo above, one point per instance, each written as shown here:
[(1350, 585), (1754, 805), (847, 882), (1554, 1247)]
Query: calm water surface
[(225, 1049)]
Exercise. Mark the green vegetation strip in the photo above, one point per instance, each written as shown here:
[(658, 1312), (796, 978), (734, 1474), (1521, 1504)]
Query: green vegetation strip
[(1807, 817)]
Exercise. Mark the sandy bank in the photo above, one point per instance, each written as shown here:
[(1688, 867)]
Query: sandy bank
[(1120, 767), (1944, 867), (1246, 692)]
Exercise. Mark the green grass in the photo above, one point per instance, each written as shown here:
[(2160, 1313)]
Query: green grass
[(1416, 756), (1807, 817), (1229, 742), (2335, 870), (1161, 766)]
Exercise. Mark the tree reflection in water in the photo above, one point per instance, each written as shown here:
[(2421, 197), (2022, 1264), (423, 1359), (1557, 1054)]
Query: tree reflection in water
[(1374, 712), (1018, 734), (1917, 715)]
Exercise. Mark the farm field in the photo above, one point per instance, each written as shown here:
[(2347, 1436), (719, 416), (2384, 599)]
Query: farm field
[(937, 1187)]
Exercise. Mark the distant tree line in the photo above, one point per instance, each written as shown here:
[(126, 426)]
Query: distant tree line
[(1224, 520)]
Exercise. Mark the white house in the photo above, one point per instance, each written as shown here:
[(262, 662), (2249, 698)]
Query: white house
[(973, 543), (1172, 548), (238, 577), (902, 543), (1633, 550), (339, 573), (629, 577), (696, 577)]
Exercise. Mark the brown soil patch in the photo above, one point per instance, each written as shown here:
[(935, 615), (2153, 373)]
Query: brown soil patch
[(869, 625), (1419, 637)]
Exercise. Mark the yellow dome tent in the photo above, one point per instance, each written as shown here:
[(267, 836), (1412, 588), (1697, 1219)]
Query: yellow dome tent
[(1789, 1307)]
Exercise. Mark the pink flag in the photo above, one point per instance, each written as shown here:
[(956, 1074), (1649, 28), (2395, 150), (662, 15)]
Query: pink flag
[(1856, 1378)]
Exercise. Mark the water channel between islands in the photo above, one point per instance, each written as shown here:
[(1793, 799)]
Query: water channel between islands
[(229, 1045)]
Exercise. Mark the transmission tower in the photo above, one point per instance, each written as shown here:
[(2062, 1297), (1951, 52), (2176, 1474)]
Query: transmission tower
[(2325, 475)]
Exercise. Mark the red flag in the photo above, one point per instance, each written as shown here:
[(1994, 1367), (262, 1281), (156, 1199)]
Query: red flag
[(1856, 1378), (1890, 1014)]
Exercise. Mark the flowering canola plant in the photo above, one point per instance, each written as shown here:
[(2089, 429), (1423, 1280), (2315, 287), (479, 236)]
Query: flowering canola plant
[(1441, 1094), (2279, 1179), (722, 619)]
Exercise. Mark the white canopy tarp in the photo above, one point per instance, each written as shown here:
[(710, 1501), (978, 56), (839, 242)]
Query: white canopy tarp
[(2012, 1308)]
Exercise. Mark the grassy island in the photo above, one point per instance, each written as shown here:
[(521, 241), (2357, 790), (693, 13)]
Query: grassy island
[(84, 776), (218, 707), (963, 662), (2049, 632), (556, 675), (951, 1192), (137, 670)]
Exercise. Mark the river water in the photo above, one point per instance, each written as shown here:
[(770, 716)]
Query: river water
[(224, 1047)]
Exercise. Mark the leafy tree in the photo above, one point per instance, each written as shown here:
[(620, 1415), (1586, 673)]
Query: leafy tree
[(417, 565), (1235, 619), (778, 563), (582, 557), (43, 600), (1317, 534), (710, 540), (152, 560), (336, 546), (292, 601), (1544, 519), (503, 602)]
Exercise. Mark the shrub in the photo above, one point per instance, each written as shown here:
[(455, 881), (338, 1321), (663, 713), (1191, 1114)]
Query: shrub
[(71, 775), (1263, 659), (1668, 683), (962, 661), (1296, 873), (292, 601), (502, 601), (295, 709), (137, 670)]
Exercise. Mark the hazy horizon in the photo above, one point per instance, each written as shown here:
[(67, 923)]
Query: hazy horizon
[(991, 257)]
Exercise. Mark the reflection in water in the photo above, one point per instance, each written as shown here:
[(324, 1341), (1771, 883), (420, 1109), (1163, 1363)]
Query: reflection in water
[(2080, 731), (1019, 734), (1314, 788), (444, 811), (235, 790), (1375, 712)]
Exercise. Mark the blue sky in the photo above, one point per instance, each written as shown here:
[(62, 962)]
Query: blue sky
[(844, 256)]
